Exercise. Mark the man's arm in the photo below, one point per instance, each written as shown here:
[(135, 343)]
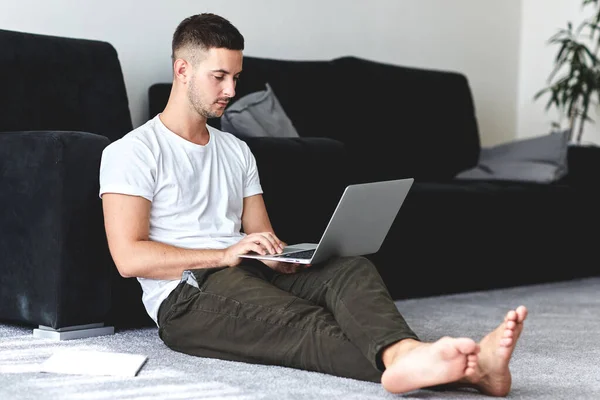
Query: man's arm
[(127, 225), (255, 217)]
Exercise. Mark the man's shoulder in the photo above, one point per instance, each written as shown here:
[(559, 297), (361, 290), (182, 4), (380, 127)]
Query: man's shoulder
[(145, 133), (140, 138)]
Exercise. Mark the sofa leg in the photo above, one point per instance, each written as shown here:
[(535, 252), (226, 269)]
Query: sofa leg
[(73, 332)]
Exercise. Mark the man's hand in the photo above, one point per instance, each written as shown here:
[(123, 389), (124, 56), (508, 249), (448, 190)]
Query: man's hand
[(261, 243)]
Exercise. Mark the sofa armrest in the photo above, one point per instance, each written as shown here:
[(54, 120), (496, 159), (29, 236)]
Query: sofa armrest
[(302, 180), (54, 260), (583, 166)]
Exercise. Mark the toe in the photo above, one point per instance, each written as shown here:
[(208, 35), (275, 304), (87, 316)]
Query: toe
[(521, 313), (511, 315), (466, 346), (472, 361)]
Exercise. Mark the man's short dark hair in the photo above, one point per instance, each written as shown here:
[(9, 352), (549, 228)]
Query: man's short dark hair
[(206, 31)]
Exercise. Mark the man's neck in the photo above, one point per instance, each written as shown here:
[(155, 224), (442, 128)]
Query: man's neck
[(188, 125)]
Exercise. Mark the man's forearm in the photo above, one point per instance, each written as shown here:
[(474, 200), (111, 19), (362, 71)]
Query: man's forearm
[(154, 260)]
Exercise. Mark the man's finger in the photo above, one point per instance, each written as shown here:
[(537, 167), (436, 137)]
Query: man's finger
[(263, 240), (274, 245), (267, 241)]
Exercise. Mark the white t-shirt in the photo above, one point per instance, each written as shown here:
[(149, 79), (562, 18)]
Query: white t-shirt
[(196, 191)]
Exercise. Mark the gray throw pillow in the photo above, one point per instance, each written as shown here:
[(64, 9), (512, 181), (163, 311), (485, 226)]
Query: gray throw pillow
[(540, 159), (258, 114)]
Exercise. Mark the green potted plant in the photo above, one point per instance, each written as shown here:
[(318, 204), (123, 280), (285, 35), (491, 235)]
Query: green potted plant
[(576, 90)]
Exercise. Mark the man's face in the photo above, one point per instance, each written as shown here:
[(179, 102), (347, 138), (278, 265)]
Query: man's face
[(213, 81)]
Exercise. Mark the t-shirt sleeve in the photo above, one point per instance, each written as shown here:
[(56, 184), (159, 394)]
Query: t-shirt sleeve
[(128, 167), (252, 184)]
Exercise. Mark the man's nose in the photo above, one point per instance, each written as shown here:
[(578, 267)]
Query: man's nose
[(229, 90)]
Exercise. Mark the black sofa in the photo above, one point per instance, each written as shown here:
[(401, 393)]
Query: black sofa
[(64, 100), (378, 121)]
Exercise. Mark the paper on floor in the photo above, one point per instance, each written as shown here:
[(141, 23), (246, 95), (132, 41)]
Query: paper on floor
[(90, 362)]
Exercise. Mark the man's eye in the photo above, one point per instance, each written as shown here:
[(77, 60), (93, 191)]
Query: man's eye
[(219, 78)]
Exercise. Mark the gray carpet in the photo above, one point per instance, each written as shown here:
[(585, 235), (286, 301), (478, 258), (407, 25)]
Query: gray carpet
[(558, 356)]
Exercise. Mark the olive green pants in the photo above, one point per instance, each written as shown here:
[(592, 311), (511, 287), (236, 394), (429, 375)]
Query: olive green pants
[(334, 317)]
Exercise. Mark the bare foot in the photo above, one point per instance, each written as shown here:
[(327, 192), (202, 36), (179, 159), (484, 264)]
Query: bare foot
[(492, 375), (412, 365)]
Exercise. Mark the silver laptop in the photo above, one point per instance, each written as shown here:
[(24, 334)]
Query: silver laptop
[(358, 226)]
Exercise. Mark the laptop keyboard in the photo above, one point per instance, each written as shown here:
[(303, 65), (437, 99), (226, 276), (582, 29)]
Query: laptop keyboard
[(304, 254)]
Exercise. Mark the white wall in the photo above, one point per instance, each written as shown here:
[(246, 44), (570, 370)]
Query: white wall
[(479, 38), (541, 20)]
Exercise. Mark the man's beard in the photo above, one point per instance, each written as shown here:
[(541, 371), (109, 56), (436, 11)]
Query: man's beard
[(198, 105)]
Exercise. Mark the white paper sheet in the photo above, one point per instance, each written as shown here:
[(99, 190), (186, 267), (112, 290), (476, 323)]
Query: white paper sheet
[(89, 362)]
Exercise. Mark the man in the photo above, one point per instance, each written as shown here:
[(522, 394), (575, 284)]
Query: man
[(183, 200)]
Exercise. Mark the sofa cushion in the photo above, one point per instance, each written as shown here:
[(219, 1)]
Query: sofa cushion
[(406, 122), (307, 91), (258, 114), (540, 159)]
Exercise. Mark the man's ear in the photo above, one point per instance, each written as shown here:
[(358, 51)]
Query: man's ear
[(182, 70)]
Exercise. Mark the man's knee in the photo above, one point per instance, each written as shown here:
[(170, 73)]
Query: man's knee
[(356, 264), (353, 268)]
